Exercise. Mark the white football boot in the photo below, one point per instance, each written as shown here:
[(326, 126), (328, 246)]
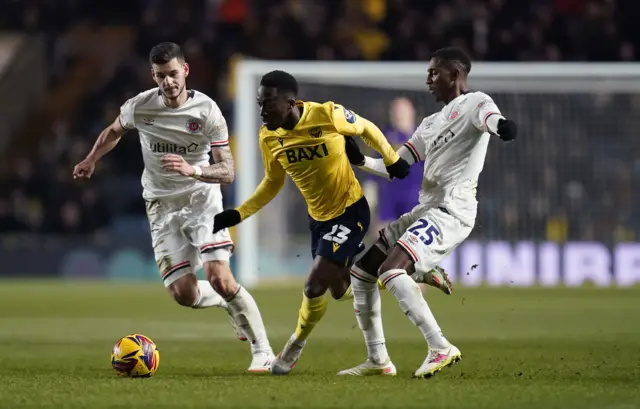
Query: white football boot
[(436, 277), (288, 357), (261, 363), (437, 360), (368, 368)]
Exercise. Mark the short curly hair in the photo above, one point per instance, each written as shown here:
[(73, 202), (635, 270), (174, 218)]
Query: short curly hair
[(454, 55), (281, 81)]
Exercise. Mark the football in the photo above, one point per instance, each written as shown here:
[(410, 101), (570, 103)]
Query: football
[(135, 356)]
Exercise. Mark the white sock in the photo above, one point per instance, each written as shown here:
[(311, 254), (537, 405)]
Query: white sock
[(415, 307), (208, 297), (367, 306), (247, 315)]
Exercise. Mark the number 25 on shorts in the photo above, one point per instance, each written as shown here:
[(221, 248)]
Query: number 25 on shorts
[(424, 231)]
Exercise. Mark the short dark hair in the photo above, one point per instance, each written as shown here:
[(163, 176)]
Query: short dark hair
[(280, 80), (165, 52), (454, 55)]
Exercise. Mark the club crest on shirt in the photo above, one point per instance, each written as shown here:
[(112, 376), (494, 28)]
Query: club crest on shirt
[(193, 125), (349, 116), (316, 131), (454, 115)]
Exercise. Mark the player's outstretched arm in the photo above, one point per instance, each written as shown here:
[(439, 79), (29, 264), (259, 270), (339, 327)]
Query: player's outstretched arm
[(350, 124), (221, 171), (372, 165), (269, 187), (265, 192), (107, 140)]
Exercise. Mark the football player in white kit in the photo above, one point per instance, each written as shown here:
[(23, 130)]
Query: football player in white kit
[(178, 129), (453, 143)]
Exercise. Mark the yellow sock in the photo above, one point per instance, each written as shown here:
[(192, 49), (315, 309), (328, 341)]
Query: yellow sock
[(311, 312), (348, 295)]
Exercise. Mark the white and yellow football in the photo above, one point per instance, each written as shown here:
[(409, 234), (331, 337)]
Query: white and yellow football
[(135, 356)]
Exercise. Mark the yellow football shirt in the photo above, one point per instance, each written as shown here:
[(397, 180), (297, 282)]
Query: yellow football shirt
[(313, 155)]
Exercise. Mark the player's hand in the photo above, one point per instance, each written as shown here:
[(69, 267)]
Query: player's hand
[(84, 169), (399, 170), (507, 130), (356, 157), (176, 163), (226, 219)]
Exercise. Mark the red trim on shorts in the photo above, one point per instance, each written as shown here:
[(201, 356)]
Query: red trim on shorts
[(413, 148), (383, 237), (175, 268), (220, 143), (408, 249), (216, 245)]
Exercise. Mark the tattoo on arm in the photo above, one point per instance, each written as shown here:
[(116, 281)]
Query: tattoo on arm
[(223, 168)]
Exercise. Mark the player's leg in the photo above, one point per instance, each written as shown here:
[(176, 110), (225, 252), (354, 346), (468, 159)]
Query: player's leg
[(188, 291), (394, 274), (242, 309), (214, 250), (172, 257), (425, 243), (366, 295), (312, 309), (325, 275), (367, 303), (334, 244), (367, 306)]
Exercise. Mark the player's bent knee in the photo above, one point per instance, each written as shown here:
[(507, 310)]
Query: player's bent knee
[(323, 274), (184, 291), (316, 284), (313, 289), (219, 274), (372, 260), (397, 259), (339, 287)]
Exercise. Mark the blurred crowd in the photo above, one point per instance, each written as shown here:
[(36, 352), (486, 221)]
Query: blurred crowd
[(592, 181)]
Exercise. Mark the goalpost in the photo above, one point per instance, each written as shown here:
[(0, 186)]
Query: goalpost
[(556, 105)]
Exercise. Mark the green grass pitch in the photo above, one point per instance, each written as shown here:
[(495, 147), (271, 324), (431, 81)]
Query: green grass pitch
[(523, 348)]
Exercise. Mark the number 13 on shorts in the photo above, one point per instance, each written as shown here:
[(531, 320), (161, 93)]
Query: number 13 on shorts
[(337, 236)]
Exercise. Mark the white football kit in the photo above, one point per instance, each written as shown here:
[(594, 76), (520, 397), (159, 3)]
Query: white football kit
[(180, 208), (453, 142)]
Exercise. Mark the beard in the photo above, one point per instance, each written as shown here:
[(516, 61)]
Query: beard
[(171, 95)]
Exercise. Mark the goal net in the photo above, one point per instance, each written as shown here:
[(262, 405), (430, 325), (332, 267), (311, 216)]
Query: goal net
[(557, 206)]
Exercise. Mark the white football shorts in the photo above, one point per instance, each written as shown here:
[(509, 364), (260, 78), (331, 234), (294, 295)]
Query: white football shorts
[(427, 234), (182, 233)]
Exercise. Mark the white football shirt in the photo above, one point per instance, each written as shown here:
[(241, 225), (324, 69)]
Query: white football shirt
[(453, 143), (190, 131)]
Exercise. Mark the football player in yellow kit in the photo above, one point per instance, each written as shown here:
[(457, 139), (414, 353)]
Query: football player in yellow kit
[(306, 140)]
